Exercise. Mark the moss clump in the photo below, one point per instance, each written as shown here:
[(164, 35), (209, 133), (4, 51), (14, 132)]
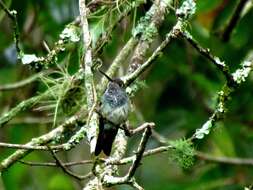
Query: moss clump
[(182, 153)]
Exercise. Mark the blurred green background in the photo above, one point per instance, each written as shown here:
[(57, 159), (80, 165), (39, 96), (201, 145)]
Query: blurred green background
[(180, 93)]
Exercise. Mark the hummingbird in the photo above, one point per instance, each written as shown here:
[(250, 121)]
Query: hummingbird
[(114, 109)]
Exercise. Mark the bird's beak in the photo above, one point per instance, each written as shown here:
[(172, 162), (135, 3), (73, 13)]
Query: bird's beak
[(103, 73)]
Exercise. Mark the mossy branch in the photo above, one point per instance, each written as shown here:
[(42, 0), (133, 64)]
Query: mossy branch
[(70, 124)]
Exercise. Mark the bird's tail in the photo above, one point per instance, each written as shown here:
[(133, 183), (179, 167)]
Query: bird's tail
[(106, 136)]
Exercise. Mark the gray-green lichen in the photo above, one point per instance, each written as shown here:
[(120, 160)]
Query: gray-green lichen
[(70, 33), (75, 139), (142, 25), (29, 58), (187, 9), (204, 130), (240, 75), (135, 87)]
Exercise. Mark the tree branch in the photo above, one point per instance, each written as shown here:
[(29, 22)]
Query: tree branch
[(147, 133), (29, 147), (70, 124), (146, 31), (7, 11), (238, 77), (138, 71), (234, 20), (89, 79), (224, 160), (24, 82), (13, 16), (142, 127), (26, 104), (109, 180), (66, 170), (53, 164), (206, 53)]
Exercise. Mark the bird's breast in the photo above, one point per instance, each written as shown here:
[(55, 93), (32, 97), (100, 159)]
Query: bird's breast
[(115, 112)]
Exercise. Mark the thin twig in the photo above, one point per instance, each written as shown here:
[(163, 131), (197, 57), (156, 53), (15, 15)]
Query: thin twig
[(22, 83), (21, 107), (234, 20), (109, 180), (224, 160), (43, 139), (200, 155), (30, 147), (66, 170), (23, 146), (137, 72), (237, 78), (6, 10), (33, 120), (139, 152), (130, 159), (13, 16), (135, 185), (141, 128), (52, 164), (206, 53)]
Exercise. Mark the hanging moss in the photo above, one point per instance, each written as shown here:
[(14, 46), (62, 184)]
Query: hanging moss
[(182, 153)]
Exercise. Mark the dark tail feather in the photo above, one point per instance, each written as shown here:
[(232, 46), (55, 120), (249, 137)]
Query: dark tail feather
[(105, 139), (99, 145), (109, 137), (100, 140)]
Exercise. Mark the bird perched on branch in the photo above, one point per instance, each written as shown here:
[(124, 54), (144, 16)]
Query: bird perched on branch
[(113, 111)]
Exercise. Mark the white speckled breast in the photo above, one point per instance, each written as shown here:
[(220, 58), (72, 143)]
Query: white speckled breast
[(115, 105)]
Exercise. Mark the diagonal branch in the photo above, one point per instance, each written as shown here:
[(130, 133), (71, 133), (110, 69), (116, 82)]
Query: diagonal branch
[(24, 82), (238, 77), (138, 71), (69, 125), (26, 104), (154, 18), (206, 53), (128, 178), (147, 133), (66, 170), (234, 20), (6, 10), (147, 31)]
